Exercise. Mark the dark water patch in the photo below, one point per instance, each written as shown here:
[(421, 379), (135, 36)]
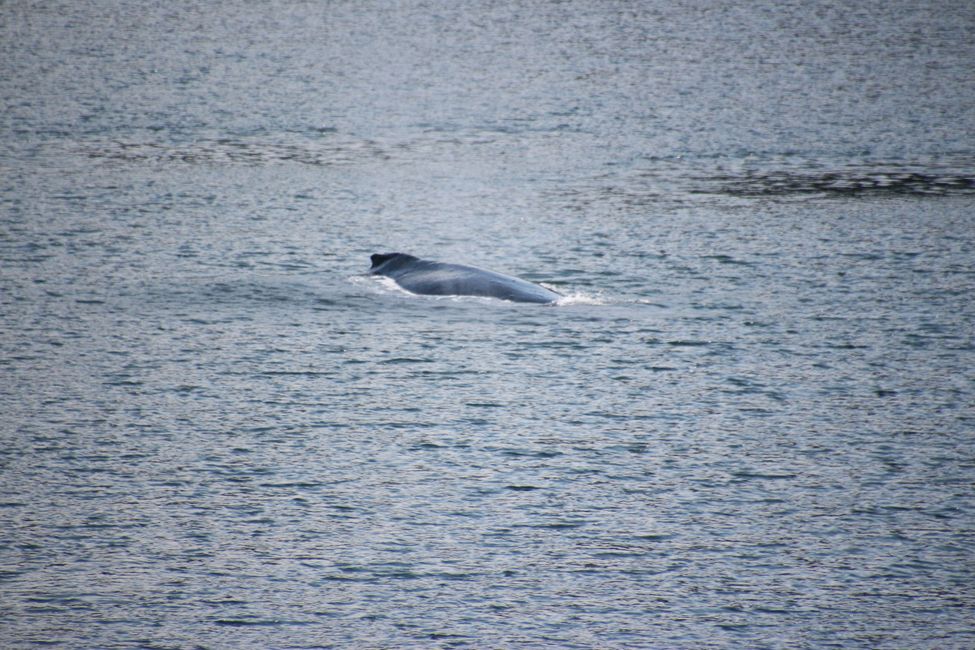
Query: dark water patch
[(427, 446), (319, 152), (847, 181), (683, 343), (296, 373), (531, 453), (728, 259), (656, 537), (748, 475), (257, 622), (299, 485), (566, 524), (451, 640), (395, 361)]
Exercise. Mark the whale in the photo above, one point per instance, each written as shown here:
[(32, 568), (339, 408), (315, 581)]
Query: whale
[(440, 279)]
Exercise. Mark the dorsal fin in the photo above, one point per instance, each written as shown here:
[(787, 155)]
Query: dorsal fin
[(378, 259)]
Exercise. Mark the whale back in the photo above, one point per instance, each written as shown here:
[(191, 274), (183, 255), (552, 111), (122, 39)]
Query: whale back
[(441, 279)]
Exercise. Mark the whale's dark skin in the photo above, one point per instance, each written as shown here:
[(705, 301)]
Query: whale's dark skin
[(439, 279)]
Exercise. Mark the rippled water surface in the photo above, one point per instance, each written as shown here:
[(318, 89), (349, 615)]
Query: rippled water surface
[(749, 424)]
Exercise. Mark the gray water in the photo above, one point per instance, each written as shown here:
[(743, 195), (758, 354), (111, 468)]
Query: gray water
[(749, 424)]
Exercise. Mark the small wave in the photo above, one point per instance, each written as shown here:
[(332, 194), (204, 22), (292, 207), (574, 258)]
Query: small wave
[(383, 285), (580, 298)]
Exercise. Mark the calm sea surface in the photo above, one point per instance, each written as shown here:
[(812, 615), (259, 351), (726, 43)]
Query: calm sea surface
[(750, 424)]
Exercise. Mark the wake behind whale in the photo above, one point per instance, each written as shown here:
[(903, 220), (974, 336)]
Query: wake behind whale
[(440, 279)]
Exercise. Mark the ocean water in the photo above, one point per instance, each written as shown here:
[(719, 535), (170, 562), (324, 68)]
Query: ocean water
[(749, 424)]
